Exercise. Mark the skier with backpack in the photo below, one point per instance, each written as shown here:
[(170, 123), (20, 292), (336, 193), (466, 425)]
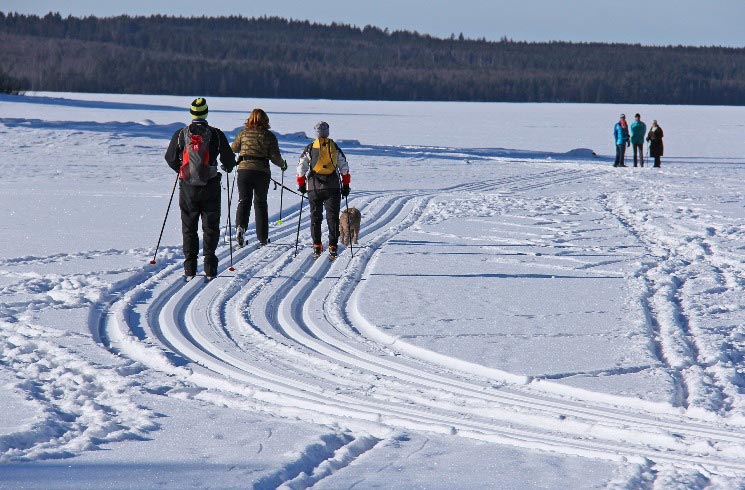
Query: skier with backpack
[(192, 153), (323, 172), (256, 146)]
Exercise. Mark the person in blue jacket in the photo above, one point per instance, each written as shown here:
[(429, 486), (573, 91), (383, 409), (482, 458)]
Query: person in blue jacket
[(621, 136), (638, 131)]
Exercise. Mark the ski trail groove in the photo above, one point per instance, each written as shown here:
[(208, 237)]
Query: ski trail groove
[(665, 276), (365, 386)]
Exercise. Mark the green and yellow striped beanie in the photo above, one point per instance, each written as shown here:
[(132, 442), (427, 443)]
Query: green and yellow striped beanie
[(198, 108)]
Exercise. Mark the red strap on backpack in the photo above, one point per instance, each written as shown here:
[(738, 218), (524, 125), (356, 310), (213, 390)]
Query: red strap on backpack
[(195, 144)]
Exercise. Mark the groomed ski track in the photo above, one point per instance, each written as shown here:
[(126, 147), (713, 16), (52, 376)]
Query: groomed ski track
[(285, 335)]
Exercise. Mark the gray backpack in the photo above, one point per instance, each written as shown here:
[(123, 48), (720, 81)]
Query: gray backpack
[(195, 161)]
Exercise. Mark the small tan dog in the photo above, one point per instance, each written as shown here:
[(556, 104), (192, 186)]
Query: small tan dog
[(349, 225)]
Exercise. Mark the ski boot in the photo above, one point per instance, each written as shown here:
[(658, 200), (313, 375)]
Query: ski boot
[(332, 253), (317, 250), (239, 235)]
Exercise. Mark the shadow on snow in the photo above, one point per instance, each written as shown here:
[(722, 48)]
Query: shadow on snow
[(147, 129)]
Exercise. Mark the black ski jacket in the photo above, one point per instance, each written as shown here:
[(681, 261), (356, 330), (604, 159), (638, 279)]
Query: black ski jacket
[(218, 146)]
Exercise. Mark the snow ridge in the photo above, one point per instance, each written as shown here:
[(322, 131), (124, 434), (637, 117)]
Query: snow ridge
[(83, 405), (318, 461), (678, 273)]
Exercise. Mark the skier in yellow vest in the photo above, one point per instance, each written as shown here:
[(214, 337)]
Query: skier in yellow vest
[(323, 173)]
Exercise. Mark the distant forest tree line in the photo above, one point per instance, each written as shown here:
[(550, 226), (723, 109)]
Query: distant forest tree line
[(275, 57)]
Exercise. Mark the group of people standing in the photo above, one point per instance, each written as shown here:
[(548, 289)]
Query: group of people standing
[(626, 135), (322, 174)]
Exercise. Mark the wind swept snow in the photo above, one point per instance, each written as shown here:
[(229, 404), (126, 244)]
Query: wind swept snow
[(517, 314)]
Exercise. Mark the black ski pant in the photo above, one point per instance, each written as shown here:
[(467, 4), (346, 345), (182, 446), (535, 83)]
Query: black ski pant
[(657, 161), (330, 199), (253, 185), (200, 201), (640, 149)]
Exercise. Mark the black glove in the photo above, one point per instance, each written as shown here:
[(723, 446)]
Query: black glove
[(225, 169), (284, 165), (345, 190), (302, 189)]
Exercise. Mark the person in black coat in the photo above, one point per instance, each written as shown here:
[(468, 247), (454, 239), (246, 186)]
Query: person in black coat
[(656, 148), (193, 154)]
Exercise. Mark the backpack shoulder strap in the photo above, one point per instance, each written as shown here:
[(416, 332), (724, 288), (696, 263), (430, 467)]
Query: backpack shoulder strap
[(183, 137), (332, 152)]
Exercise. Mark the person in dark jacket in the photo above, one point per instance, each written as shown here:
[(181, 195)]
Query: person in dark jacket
[(656, 148), (193, 154), (323, 172), (256, 146), (638, 130), (621, 137)]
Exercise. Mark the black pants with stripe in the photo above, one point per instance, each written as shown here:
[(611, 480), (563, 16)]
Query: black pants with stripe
[(200, 201)]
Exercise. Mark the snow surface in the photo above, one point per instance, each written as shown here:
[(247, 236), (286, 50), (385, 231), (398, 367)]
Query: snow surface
[(517, 314)]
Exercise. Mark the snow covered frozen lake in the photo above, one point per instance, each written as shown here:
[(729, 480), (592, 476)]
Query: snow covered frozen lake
[(518, 313)]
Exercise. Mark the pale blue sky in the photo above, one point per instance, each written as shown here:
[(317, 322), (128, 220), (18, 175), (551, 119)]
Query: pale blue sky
[(689, 22)]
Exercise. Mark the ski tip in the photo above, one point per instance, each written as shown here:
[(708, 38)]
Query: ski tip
[(152, 262)]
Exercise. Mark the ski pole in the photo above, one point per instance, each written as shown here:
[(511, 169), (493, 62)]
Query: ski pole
[(231, 192), (227, 218), (349, 227), (230, 224), (281, 193), (165, 218), (299, 216), (284, 187)]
